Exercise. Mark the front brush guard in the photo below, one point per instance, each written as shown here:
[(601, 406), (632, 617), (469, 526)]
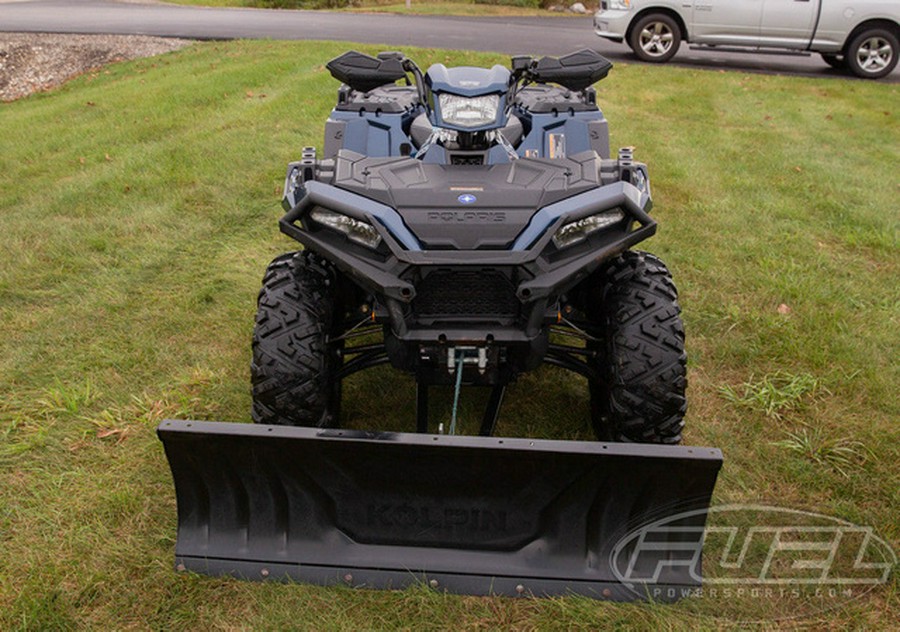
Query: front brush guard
[(545, 279)]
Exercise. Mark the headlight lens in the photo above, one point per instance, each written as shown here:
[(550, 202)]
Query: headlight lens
[(639, 180), (576, 231), (619, 5), (356, 230), (469, 111)]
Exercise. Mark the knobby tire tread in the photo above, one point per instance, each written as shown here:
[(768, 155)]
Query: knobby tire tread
[(642, 394), (291, 365)]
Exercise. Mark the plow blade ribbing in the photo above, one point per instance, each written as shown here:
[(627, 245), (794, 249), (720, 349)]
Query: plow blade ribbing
[(472, 515)]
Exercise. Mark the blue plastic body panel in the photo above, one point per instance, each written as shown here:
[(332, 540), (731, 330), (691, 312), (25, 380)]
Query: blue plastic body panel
[(379, 134), (573, 124), (373, 133)]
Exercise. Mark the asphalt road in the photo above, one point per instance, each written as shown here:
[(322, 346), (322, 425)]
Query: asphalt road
[(535, 36)]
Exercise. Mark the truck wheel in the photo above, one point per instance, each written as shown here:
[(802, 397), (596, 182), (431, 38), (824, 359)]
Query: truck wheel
[(641, 392), (293, 364), (655, 38), (838, 62), (873, 53)]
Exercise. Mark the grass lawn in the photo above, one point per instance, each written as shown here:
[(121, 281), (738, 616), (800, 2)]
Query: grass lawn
[(138, 210)]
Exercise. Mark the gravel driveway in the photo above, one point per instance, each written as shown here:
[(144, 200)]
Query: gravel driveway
[(31, 62)]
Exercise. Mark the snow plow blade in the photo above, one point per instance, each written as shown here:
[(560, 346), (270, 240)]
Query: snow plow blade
[(470, 515)]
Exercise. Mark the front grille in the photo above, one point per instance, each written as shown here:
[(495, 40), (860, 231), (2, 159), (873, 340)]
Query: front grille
[(461, 293), (457, 159)]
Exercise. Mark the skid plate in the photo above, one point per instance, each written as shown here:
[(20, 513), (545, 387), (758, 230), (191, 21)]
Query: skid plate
[(473, 515)]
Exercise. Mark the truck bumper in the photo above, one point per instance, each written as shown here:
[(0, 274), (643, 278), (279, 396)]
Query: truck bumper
[(611, 24)]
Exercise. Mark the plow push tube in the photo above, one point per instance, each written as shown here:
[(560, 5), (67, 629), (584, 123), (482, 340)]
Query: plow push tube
[(471, 515)]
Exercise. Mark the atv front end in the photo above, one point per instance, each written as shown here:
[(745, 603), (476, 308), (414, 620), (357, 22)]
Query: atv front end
[(458, 262)]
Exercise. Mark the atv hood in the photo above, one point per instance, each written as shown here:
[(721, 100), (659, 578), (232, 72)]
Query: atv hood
[(465, 207)]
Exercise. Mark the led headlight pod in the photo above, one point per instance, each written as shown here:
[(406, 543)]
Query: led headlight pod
[(576, 231), (469, 111), (356, 230)]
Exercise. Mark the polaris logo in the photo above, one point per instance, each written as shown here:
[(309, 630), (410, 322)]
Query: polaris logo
[(479, 217), (434, 517), (467, 198)]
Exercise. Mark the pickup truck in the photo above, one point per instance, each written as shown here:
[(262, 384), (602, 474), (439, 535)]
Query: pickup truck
[(858, 36)]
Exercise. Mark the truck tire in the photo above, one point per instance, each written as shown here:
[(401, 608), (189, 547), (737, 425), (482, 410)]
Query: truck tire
[(655, 38), (873, 53), (293, 364), (640, 395), (838, 62)]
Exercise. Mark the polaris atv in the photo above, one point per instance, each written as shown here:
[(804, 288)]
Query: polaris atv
[(475, 218), (464, 226)]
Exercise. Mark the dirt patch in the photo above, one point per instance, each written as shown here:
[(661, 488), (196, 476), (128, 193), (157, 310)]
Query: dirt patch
[(31, 62)]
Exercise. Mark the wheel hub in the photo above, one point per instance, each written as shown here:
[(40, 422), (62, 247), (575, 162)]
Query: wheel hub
[(874, 54), (656, 39)]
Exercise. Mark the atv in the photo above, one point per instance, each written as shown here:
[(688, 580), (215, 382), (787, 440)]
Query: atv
[(475, 220), (465, 226)]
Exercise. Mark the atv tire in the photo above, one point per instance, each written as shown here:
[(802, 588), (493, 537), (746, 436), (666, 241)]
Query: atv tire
[(293, 364), (640, 396)]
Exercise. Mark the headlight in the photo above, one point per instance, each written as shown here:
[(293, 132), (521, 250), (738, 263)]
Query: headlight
[(356, 230), (469, 112), (619, 5), (639, 180), (576, 231)]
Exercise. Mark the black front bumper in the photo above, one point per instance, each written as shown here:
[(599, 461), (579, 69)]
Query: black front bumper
[(536, 273)]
